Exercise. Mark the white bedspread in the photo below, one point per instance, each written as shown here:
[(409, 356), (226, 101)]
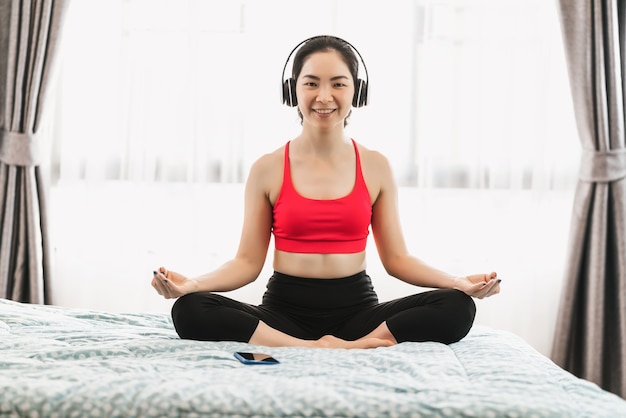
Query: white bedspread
[(61, 362)]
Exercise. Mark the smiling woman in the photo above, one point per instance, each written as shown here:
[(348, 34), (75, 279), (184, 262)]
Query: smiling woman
[(328, 97), (167, 101)]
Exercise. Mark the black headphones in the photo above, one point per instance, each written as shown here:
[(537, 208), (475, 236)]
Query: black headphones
[(288, 86)]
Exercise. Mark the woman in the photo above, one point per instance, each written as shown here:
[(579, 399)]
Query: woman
[(319, 194)]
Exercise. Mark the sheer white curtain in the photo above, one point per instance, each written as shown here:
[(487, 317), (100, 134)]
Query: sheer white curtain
[(464, 94), (163, 106), (492, 101)]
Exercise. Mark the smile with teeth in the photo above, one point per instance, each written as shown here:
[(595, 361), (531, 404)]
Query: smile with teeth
[(324, 111)]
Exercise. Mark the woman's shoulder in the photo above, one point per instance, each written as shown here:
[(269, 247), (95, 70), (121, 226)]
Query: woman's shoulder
[(372, 158), (376, 170), (266, 173), (269, 160)]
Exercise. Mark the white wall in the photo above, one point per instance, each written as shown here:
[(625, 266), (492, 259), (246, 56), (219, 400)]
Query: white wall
[(107, 239)]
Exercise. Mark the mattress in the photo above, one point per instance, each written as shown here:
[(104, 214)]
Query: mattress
[(65, 362)]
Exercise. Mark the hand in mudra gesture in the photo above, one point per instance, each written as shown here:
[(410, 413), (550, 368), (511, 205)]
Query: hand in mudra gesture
[(170, 284), (479, 285)]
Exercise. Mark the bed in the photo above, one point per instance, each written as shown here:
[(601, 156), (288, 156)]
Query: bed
[(66, 362)]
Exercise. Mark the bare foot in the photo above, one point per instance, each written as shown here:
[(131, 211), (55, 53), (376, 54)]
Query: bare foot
[(330, 341)]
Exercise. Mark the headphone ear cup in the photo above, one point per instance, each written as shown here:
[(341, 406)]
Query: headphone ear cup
[(289, 92), (360, 94)]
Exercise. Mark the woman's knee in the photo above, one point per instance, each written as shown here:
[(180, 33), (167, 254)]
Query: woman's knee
[(189, 314), (209, 317), (462, 311), (444, 316), (463, 303)]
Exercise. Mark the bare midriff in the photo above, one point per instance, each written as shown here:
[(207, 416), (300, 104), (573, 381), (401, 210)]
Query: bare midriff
[(319, 266)]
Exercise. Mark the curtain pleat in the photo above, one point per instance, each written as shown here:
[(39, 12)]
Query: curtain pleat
[(590, 338), (28, 41)]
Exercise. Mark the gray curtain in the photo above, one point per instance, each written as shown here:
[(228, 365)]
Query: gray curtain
[(28, 39), (590, 338)]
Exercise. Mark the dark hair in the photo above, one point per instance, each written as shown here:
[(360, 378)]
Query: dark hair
[(325, 43)]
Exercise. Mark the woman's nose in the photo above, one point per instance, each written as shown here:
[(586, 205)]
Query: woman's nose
[(325, 95)]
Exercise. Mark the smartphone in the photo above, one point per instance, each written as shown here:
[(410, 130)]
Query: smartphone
[(255, 358)]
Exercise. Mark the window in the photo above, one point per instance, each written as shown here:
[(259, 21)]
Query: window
[(463, 94)]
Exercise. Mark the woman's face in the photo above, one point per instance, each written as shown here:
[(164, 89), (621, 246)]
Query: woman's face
[(325, 90)]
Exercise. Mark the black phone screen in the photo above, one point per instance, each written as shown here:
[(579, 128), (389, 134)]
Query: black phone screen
[(255, 358)]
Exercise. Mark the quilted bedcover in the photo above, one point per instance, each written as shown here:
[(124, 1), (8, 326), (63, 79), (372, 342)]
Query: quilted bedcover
[(64, 362)]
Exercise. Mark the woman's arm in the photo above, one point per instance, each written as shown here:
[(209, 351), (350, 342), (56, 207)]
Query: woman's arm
[(392, 248), (248, 262)]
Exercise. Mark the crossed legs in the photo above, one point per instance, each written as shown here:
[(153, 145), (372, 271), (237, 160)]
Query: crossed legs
[(441, 315)]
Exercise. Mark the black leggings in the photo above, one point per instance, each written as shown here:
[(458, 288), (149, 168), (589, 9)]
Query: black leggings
[(347, 308)]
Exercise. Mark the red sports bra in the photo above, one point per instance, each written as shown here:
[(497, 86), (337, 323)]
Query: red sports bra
[(335, 226)]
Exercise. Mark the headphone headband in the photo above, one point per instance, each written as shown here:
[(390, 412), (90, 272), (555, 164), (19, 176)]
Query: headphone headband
[(288, 86)]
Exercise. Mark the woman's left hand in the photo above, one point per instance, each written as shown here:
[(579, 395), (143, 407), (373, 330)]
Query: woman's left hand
[(479, 285)]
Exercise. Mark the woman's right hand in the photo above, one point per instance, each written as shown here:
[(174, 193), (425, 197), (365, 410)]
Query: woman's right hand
[(171, 285)]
